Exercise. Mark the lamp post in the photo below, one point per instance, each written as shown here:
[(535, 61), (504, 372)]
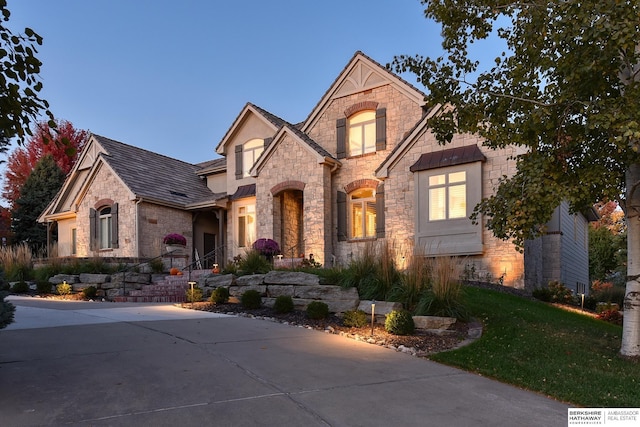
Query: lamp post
[(373, 314)]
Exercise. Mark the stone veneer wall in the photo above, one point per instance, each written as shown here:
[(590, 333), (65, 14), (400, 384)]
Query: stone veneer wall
[(290, 161), (157, 221), (500, 258), (106, 185), (401, 115)]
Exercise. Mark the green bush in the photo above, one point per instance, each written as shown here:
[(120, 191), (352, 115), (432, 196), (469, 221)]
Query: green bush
[(6, 311), (20, 288), (220, 295), (90, 292), (399, 322), (194, 294), (542, 294), (251, 299), (64, 288), (43, 287), (355, 319), (283, 304), (317, 310)]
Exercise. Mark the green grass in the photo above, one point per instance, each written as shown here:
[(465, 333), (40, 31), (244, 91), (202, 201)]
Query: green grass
[(568, 356)]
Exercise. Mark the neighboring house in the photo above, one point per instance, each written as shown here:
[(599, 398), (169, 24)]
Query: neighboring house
[(362, 167)]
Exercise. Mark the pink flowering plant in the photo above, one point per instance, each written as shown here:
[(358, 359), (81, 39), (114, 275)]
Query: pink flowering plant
[(174, 239), (266, 247)]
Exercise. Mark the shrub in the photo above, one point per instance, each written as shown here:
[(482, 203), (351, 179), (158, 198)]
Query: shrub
[(254, 263), (542, 294), (355, 319), (194, 294), (43, 287), (64, 288), (90, 292), (317, 310), (251, 299), (611, 316), (220, 295), (560, 293), (399, 322), (21, 287), (283, 304), (6, 311)]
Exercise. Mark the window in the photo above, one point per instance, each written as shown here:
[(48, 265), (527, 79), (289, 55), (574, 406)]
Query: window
[(448, 196), (103, 226), (251, 150), (362, 211), (105, 222), (74, 241), (246, 225), (362, 133)]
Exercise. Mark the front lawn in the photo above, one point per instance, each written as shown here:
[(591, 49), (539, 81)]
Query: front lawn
[(566, 355)]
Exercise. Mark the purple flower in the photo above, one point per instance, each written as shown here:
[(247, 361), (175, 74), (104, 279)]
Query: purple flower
[(266, 247), (174, 239)]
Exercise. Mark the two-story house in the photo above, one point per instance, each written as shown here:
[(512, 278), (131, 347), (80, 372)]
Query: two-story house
[(362, 167)]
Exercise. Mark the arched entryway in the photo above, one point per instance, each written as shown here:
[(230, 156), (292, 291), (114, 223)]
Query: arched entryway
[(288, 218)]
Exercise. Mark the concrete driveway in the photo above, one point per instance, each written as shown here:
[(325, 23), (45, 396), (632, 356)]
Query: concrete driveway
[(108, 364)]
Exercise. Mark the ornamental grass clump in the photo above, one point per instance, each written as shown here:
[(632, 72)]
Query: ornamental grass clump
[(445, 295), (254, 263)]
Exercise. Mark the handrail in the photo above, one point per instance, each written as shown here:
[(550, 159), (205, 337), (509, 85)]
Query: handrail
[(292, 248), (206, 256)]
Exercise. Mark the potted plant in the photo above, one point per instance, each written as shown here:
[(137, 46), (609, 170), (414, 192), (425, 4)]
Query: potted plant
[(175, 243), (267, 247)]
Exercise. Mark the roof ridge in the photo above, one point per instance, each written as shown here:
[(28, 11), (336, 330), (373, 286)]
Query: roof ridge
[(101, 137)]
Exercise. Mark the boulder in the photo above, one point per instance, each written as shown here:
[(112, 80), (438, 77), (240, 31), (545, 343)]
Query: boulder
[(94, 278), (433, 322), (275, 291), (250, 280), (218, 280), (69, 278), (291, 278), (238, 290), (131, 277), (325, 292)]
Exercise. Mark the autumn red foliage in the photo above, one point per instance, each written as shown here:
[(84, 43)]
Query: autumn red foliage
[(64, 143)]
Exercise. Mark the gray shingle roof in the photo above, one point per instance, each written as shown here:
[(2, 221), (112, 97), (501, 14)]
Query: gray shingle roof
[(152, 175)]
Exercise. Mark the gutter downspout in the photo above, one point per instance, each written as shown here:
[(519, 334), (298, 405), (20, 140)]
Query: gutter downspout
[(137, 229)]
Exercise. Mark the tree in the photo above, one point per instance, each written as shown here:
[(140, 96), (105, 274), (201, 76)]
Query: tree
[(39, 189), (20, 102), (607, 243), (64, 143), (566, 90)]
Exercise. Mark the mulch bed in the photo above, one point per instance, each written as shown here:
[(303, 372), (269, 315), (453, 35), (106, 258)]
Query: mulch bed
[(421, 343)]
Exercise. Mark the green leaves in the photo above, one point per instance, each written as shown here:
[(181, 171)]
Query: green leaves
[(557, 92), (20, 103)]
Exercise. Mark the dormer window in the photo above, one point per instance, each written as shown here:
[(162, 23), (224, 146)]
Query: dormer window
[(247, 154)]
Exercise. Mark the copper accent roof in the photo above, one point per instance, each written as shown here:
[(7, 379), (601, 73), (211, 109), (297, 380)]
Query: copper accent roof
[(449, 157), (244, 191)]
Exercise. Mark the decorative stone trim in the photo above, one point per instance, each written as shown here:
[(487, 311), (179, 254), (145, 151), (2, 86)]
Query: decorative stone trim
[(361, 183), (102, 203), (287, 185), (360, 106)]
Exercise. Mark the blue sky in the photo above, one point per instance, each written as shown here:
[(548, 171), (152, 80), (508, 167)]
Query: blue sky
[(171, 76)]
